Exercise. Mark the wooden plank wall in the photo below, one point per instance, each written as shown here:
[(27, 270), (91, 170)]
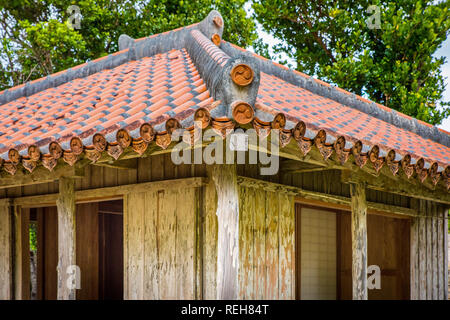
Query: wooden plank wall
[(267, 245), (5, 251), (429, 278), (161, 251)]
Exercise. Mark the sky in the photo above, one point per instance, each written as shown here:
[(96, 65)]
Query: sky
[(443, 51)]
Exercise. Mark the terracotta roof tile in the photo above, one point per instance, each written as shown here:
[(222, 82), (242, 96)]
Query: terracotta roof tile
[(149, 87), (323, 113)]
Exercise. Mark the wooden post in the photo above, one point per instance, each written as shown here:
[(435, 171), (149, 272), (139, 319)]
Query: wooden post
[(21, 253), (225, 179), (66, 236), (359, 241), (422, 251), (5, 251), (445, 254), (414, 253)]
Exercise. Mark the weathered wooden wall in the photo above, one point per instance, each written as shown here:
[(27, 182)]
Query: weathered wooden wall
[(267, 244), (5, 251), (429, 274), (161, 251), (160, 167), (327, 181)]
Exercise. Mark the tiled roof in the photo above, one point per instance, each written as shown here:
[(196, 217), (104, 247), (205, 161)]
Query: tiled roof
[(151, 89), (156, 84), (323, 113)]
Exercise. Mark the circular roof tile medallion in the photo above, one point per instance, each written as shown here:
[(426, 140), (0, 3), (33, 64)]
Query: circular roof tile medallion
[(242, 112), (216, 39), (279, 121), (339, 145), (76, 145), (34, 153), (374, 153), (147, 132), (14, 156), (390, 156), (55, 150), (447, 171), (99, 142), (123, 138), (218, 21), (203, 116), (299, 131), (242, 74), (357, 148), (320, 138), (172, 124)]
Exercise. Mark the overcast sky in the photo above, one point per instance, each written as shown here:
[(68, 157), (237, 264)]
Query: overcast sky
[(443, 51)]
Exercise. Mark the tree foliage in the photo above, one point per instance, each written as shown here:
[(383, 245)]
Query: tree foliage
[(36, 39), (393, 65)]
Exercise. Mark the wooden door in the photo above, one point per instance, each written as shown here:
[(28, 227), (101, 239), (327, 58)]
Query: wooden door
[(87, 250), (111, 250), (100, 250), (161, 241), (387, 247)]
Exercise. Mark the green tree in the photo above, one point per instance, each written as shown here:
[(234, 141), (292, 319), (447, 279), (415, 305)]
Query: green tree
[(338, 41), (36, 39)]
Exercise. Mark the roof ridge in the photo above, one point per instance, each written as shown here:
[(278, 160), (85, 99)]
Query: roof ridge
[(339, 95)]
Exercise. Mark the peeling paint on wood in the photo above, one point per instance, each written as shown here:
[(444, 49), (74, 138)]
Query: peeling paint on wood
[(267, 233), (225, 179), (160, 240), (359, 241), (66, 236)]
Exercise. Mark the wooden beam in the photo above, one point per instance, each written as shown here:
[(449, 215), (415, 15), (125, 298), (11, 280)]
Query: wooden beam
[(412, 189), (42, 175), (110, 193), (6, 242), (225, 180), (319, 199), (66, 237), (359, 241)]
